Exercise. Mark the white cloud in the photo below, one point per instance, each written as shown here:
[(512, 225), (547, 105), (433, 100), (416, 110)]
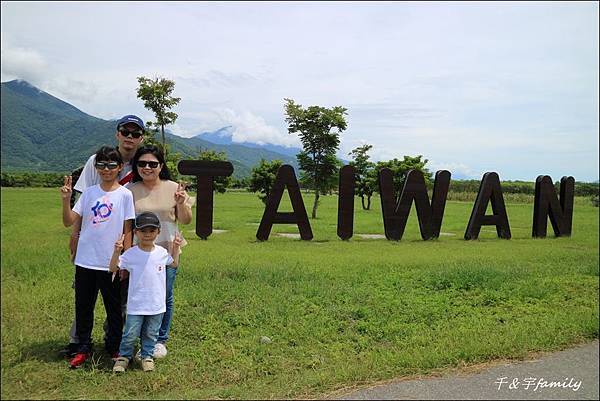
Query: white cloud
[(176, 129), (245, 127), (469, 93), (248, 127), (458, 170), (71, 89), (22, 63)]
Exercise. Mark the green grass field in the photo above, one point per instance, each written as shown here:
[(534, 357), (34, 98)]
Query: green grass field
[(339, 313)]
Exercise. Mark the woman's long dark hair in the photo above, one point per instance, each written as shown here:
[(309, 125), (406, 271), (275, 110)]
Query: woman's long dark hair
[(164, 174)]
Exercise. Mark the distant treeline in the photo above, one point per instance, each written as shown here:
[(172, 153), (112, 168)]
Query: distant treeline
[(49, 180), (55, 180), (523, 187)]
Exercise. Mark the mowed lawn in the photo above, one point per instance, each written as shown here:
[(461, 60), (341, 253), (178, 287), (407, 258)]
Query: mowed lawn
[(338, 313)]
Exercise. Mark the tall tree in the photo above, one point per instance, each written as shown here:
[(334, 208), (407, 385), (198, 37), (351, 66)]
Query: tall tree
[(156, 94), (400, 169), (364, 174), (263, 177), (314, 125)]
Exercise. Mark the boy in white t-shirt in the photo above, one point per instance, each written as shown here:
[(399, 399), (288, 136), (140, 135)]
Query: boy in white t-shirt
[(105, 212), (146, 263)]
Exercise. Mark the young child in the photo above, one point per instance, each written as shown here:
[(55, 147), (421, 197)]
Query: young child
[(146, 263), (104, 212)]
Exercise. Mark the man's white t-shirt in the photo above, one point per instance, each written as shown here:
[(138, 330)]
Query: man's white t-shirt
[(89, 175), (147, 279), (102, 217)]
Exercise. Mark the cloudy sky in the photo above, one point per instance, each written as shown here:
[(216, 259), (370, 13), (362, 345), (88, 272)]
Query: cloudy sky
[(474, 87)]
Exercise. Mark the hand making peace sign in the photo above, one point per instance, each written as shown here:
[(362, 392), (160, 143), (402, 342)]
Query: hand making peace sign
[(180, 194), (119, 244), (175, 244), (66, 190)]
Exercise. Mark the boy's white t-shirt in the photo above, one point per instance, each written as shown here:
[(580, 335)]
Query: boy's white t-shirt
[(147, 279), (102, 217)]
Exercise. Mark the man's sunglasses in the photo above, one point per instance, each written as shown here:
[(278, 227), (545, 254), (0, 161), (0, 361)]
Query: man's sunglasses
[(134, 134), (109, 165), (143, 163)]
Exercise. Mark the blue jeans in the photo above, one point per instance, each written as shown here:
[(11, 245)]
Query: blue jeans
[(163, 333), (144, 326)]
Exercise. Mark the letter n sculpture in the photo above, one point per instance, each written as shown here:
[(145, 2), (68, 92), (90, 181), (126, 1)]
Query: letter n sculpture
[(547, 205)]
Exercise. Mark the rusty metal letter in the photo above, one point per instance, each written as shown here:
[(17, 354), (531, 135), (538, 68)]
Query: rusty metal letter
[(395, 215), (546, 204), (489, 190), (285, 179), (205, 171), (345, 226)]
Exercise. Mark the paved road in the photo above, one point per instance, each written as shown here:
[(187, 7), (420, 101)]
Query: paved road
[(567, 375)]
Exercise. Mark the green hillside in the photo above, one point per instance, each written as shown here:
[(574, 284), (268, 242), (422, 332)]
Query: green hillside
[(44, 134)]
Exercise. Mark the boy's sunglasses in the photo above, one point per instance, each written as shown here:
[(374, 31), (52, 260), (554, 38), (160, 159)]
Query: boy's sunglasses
[(109, 165), (134, 134), (143, 163)]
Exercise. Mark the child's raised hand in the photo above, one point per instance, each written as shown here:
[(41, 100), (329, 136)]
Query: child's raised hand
[(178, 240), (180, 194), (66, 190), (175, 244), (119, 244)]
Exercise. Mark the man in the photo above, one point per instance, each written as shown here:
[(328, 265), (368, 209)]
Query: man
[(130, 134)]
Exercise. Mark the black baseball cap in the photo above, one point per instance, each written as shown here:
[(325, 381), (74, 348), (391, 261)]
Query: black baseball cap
[(146, 219)]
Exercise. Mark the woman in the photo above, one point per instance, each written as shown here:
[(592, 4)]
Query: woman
[(154, 191)]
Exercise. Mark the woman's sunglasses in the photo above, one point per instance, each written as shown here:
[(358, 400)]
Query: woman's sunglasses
[(109, 165), (143, 163), (134, 134)]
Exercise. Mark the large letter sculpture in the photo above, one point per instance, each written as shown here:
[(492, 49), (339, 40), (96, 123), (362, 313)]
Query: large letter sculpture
[(489, 190), (345, 225), (546, 204), (285, 179), (395, 215), (205, 171)]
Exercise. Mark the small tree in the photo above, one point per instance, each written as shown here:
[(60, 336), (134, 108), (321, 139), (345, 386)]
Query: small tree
[(400, 169), (317, 160), (263, 177), (364, 173), (156, 94), (243, 182), (306, 179), (220, 184)]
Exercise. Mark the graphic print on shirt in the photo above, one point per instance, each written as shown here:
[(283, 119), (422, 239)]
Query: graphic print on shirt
[(102, 210)]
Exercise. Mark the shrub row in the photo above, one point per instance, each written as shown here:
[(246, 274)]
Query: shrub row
[(457, 187)]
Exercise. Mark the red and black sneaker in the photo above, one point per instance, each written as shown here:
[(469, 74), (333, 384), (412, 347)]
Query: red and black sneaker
[(78, 360)]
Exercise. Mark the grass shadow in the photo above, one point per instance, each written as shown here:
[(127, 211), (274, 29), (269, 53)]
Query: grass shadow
[(50, 351)]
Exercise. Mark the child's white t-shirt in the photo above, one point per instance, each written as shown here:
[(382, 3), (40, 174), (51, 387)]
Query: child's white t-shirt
[(102, 216), (147, 279)]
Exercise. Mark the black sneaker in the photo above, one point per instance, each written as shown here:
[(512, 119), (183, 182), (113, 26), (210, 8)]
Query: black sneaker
[(69, 351)]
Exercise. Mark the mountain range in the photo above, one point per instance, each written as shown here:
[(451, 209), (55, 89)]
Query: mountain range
[(224, 136), (45, 134)]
